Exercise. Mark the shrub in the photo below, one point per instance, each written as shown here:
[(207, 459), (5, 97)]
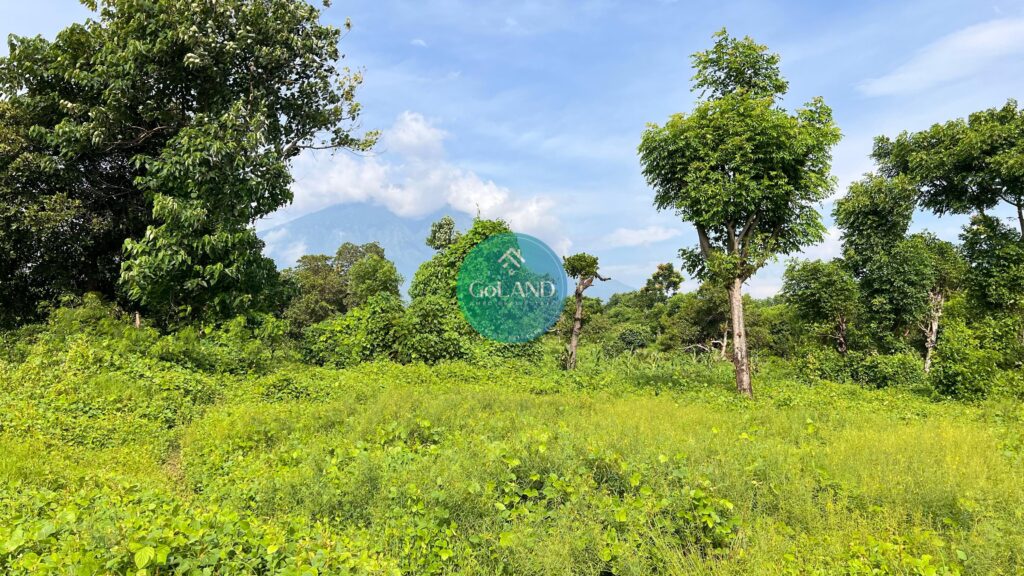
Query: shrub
[(961, 369), (365, 333), (905, 370), (432, 330), (821, 363)]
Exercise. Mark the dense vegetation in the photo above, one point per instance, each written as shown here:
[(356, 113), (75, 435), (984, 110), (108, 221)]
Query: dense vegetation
[(170, 402), (126, 449)]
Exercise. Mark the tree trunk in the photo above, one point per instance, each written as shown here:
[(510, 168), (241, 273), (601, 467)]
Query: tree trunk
[(740, 360), (577, 325), (725, 341), (138, 320), (841, 336), (931, 330), (1020, 219)]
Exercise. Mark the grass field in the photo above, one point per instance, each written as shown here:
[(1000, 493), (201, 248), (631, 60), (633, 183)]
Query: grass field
[(121, 457)]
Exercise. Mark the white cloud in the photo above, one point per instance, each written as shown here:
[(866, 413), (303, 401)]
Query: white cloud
[(959, 55), (418, 42), (641, 236), (831, 247), (276, 246), (412, 179)]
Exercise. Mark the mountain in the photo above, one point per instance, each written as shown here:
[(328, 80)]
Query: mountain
[(403, 239)]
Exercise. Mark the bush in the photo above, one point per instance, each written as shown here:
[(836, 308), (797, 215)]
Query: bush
[(365, 333), (961, 369), (432, 330), (904, 370), (821, 363)]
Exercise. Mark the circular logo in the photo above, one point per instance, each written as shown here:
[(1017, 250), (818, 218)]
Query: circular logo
[(511, 287)]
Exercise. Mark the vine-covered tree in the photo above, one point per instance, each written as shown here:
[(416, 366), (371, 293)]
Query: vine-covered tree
[(824, 294), (583, 268), (442, 233), (140, 146), (744, 171)]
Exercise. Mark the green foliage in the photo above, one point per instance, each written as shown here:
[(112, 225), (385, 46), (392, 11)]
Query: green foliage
[(995, 260), (881, 371), (733, 65), (169, 133), (432, 330), (366, 333), (874, 216), (437, 276), (962, 368), (370, 276), (442, 233), (962, 166), (319, 291), (580, 266), (94, 530), (663, 283), (745, 172), (695, 319), (823, 293), (640, 464)]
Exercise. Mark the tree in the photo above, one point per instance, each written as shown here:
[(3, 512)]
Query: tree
[(349, 253), (143, 144), (370, 276), (581, 267), (442, 233), (823, 293), (948, 270), (874, 216), (319, 291), (963, 166), (995, 265), (663, 283), (437, 276), (741, 169), (697, 320)]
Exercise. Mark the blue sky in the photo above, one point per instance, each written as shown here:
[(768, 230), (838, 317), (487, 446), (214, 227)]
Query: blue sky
[(532, 111)]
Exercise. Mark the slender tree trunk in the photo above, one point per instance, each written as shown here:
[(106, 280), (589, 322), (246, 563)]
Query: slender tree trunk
[(725, 341), (841, 336), (138, 319), (931, 331), (1020, 218), (740, 360), (577, 326)]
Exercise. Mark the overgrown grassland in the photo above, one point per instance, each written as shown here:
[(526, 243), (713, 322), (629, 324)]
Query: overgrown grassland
[(120, 452)]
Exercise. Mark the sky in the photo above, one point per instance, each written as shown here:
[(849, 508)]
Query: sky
[(532, 111)]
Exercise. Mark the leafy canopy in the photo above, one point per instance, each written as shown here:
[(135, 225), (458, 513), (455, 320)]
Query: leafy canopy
[(143, 144), (745, 172), (963, 165)]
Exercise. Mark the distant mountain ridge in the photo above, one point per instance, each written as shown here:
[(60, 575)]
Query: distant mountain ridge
[(403, 239)]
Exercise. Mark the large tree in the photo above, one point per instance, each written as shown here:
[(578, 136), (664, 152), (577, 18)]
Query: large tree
[(743, 170), (965, 165), (904, 280), (140, 146)]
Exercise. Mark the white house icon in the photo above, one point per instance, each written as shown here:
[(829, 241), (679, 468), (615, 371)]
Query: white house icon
[(511, 260)]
